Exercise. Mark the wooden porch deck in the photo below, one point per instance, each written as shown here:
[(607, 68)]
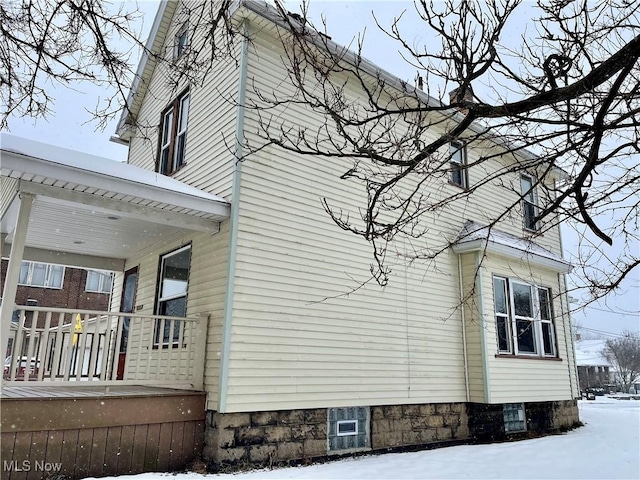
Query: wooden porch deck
[(39, 391), (96, 430)]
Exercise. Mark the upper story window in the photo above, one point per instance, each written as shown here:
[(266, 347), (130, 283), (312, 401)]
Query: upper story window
[(181, 42), (529, 202), (524, 321), (173, 135), (98, 282), (172, 291), (458, 164), (34, 274)]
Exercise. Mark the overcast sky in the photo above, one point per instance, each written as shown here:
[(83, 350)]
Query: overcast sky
[(71, 125)]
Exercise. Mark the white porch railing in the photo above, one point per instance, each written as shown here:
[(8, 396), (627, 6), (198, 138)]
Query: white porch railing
[(68, 345)]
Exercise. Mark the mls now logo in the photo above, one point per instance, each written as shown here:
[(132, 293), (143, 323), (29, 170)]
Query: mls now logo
[(27, 466)]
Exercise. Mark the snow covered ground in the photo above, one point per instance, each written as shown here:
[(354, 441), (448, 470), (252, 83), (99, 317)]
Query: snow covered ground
[(607, 447)]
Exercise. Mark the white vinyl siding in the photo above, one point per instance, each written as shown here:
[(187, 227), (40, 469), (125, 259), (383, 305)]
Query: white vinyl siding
[(474, 329), (300, 337), (298, 340), (527, 379), (207, 282), (211, 123)]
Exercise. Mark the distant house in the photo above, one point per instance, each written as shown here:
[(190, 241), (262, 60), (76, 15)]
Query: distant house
[(593, 369), (50, 285), (59, 286), (231, 277)]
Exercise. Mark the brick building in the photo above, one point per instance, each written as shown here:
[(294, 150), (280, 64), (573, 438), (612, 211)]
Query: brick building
[(47, 285)]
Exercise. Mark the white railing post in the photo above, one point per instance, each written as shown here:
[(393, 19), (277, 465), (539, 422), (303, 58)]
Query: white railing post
[(63, 355)]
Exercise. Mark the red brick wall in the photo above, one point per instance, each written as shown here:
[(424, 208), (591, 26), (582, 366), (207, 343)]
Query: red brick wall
[(71, 295)]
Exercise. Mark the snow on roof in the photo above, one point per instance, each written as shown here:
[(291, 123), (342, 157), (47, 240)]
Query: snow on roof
[(474, 231), (99, 165), (588, 353)]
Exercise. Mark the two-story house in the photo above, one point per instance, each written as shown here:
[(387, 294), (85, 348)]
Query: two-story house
[(294, 368)]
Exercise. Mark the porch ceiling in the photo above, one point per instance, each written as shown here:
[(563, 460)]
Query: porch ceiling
[(93, 212)]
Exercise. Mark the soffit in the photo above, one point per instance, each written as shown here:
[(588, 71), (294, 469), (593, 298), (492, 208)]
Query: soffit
[(93, 206)]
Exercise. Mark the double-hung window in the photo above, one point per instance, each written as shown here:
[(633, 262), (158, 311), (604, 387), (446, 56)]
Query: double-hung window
[(34, 274), (172, 293), (173, 135), (529, 202), (181, 41), (524, 322), (458, 164), (98, 282)]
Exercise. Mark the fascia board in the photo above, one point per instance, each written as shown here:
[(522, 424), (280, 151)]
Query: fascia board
[(151, 45), (21, 163)]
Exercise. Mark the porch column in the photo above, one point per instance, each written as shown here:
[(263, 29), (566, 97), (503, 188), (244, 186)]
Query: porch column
[(13, 270)]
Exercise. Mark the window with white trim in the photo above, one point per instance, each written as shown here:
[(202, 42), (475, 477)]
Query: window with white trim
[(524, 320), (458, 164), (172, 291), (98, 281), (45, 275), (173, 135), (529, 202), (181, 42)]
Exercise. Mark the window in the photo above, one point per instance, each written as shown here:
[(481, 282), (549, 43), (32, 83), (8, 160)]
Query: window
[(347, 428), (514, 418), (173, 135), (529, 202), (181, 41), (172, 291), (33, 274), (458, 164), (524, 321), (98, 282)]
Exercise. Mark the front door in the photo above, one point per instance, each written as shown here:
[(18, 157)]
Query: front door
[(127, 304)]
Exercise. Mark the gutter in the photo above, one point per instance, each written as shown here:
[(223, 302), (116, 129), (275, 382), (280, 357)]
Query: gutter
[(233, 227), (570, 357), (464, 331), (483, 339)]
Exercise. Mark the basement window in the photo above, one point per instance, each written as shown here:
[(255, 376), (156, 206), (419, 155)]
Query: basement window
[(348, 429), (514, 418)]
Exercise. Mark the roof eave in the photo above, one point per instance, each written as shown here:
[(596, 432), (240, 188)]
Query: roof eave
[(15, 161), (154, 41)]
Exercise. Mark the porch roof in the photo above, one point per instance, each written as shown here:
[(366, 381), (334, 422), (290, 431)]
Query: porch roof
[(94, 212), (476, 236)]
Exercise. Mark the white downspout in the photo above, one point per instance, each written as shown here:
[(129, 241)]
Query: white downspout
[(233, 227), (464, 330), (483, 328), (13, 269), (571, 359)]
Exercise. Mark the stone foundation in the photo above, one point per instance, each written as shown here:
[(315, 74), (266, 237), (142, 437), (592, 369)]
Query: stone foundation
[(486, 421), (405, 425), (266, 438)]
